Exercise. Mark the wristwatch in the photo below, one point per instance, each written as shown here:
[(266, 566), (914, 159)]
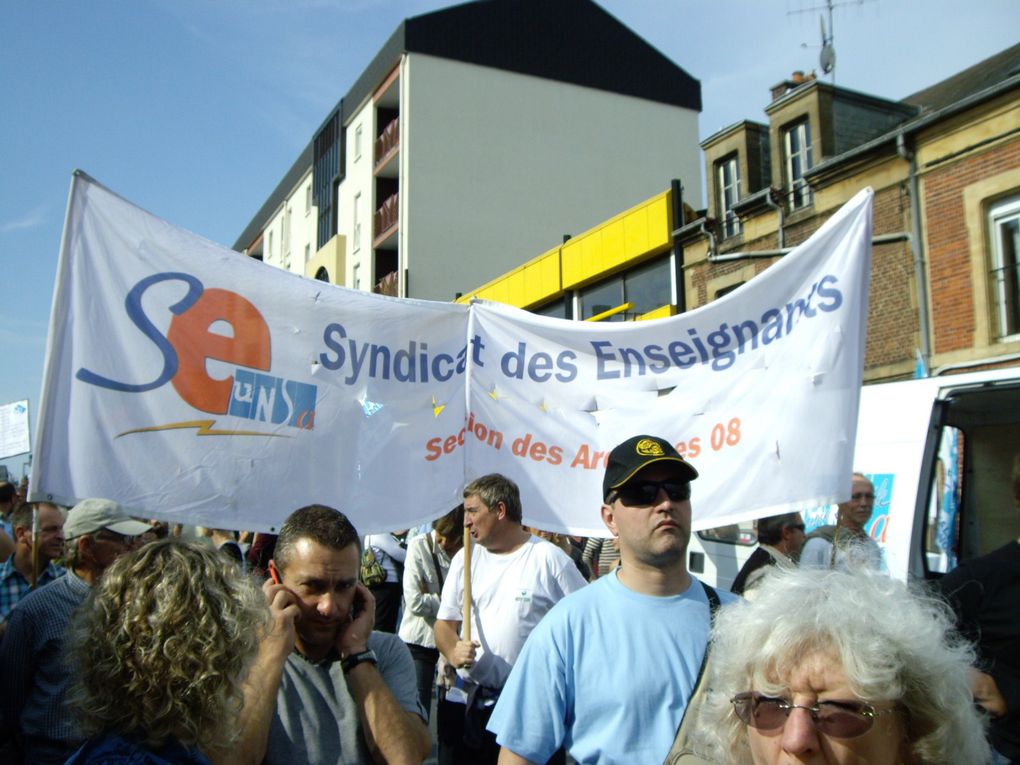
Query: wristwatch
[(355, 659)]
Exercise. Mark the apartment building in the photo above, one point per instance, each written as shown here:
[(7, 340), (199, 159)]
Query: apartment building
[(945, 167), (477, 134)]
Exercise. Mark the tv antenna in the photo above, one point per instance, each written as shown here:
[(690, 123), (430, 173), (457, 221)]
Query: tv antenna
[(827, 57)]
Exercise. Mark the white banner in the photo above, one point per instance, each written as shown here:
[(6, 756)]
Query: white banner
[(759, 389), (14, 435), (193, 384)]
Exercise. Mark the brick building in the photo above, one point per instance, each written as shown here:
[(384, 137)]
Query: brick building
[(945, 167)]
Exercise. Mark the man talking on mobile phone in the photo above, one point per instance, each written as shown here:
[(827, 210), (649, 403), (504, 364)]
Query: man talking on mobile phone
[(325, 687)]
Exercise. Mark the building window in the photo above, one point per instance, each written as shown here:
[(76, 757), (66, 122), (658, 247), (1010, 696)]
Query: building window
[(328, 148), (602, 297), (285, 236), (356, 228), (357, 142), (797, 141), (557, 309), (728, 186), (1005, 240), (727, 290), (308, 252), (356, 277), (269, 247), (646, 288), (308, 199)]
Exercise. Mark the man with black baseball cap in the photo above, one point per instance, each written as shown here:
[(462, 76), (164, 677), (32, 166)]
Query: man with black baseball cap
[(96, 533), (609, 671)]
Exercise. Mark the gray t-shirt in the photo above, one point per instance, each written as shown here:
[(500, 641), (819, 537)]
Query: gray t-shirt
[(316, 719)]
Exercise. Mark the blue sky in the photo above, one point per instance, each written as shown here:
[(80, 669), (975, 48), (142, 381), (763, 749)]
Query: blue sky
[(194, 109)]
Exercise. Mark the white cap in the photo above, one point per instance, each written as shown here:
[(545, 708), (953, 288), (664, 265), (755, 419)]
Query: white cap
[(91, 515)]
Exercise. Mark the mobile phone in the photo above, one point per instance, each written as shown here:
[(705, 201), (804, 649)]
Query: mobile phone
[(273, 573), (358, 605)]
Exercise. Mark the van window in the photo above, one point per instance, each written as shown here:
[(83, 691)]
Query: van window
[(942, 530), (969, 508), (734, 534)]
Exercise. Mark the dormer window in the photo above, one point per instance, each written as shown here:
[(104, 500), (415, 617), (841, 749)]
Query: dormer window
[(797, 146), (728, 189)]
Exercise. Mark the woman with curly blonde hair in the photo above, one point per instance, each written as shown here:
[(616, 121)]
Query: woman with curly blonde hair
[(161, 648), (839, 668)]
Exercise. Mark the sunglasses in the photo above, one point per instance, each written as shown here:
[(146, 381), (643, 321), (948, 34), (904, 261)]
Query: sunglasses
[(645, 492), (840, 719)]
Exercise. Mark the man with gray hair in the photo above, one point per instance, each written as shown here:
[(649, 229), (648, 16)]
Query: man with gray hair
[(780, 539), (847, 543), (515, 578), (97, 532)]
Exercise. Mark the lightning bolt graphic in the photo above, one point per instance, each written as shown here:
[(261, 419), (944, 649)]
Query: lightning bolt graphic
[(205, 428)]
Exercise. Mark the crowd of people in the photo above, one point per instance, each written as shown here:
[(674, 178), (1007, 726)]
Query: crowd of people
[(125, 642)]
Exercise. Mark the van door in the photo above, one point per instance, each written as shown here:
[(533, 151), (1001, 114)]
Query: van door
[(965, 500)]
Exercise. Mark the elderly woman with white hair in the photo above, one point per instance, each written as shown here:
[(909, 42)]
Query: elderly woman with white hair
[(839, 668)]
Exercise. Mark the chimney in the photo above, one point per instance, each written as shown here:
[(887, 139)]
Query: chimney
[(797, 79)]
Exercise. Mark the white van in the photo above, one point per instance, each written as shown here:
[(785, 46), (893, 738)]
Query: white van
[(939, 451)]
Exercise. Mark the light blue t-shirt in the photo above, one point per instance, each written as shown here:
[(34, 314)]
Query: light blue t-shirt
[(607, 674)]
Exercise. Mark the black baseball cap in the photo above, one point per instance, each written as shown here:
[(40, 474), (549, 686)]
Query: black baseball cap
[(639, 452)]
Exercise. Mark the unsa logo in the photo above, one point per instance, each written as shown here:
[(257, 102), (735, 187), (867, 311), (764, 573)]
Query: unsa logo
[(250, 393)]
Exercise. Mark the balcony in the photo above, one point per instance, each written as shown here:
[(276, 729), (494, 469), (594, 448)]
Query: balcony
[(386, 223), (387, 285), (387, 150)]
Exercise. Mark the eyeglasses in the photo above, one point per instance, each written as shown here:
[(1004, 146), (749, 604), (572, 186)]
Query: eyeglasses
[(840, 719), (645, 492), (106, 535), (862, 495)]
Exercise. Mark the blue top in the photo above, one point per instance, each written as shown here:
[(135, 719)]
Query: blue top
[(112, 749), (607, 674)]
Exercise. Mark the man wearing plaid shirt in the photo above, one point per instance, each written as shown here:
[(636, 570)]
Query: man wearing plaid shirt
[(35, 677), (16, 571)]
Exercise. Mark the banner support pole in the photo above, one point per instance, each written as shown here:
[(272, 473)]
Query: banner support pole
[(466, 622)]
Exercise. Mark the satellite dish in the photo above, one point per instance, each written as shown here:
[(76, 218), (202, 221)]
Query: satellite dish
[(827, 58)]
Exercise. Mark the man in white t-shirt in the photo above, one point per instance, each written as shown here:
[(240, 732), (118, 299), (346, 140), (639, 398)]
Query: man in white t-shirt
[(515, 579), (847, 543)]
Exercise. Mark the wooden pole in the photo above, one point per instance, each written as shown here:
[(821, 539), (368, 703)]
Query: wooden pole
[(465, 629)]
